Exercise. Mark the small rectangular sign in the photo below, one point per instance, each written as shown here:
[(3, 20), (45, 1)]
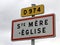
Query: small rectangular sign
[(29, 11), (32, 28)]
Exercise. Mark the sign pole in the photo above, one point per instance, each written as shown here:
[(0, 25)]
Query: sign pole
[(33, 40)]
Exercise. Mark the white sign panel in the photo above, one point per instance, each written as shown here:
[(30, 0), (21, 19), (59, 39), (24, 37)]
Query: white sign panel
[(32, 28)]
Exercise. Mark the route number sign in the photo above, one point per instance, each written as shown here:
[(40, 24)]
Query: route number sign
[(29, 11)]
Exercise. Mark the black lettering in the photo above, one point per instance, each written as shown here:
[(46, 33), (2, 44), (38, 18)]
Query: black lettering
[(30, 24), (18, 26), (43, 30), (34, 9), (25, 12), (31, 32), (38, 9), (41, 22), (24, 24), (22, 33), (36, 24), (39, 30), (34, 31), (27, 32), (46, 22), (30, 11)]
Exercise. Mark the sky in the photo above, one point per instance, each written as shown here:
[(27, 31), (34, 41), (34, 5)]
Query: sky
[(11, 10)]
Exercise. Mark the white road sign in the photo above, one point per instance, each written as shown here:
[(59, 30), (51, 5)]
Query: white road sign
[(32, 28)]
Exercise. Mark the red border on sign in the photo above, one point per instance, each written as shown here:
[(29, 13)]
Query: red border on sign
[(35, 37)]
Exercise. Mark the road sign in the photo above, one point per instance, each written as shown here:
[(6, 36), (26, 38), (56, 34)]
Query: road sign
[(29, 11), (32, 28)]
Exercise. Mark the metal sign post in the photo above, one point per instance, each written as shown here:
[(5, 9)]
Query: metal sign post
[(33, 40)]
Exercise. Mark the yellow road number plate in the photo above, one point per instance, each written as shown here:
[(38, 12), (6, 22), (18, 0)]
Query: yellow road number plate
[(34, 10)]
